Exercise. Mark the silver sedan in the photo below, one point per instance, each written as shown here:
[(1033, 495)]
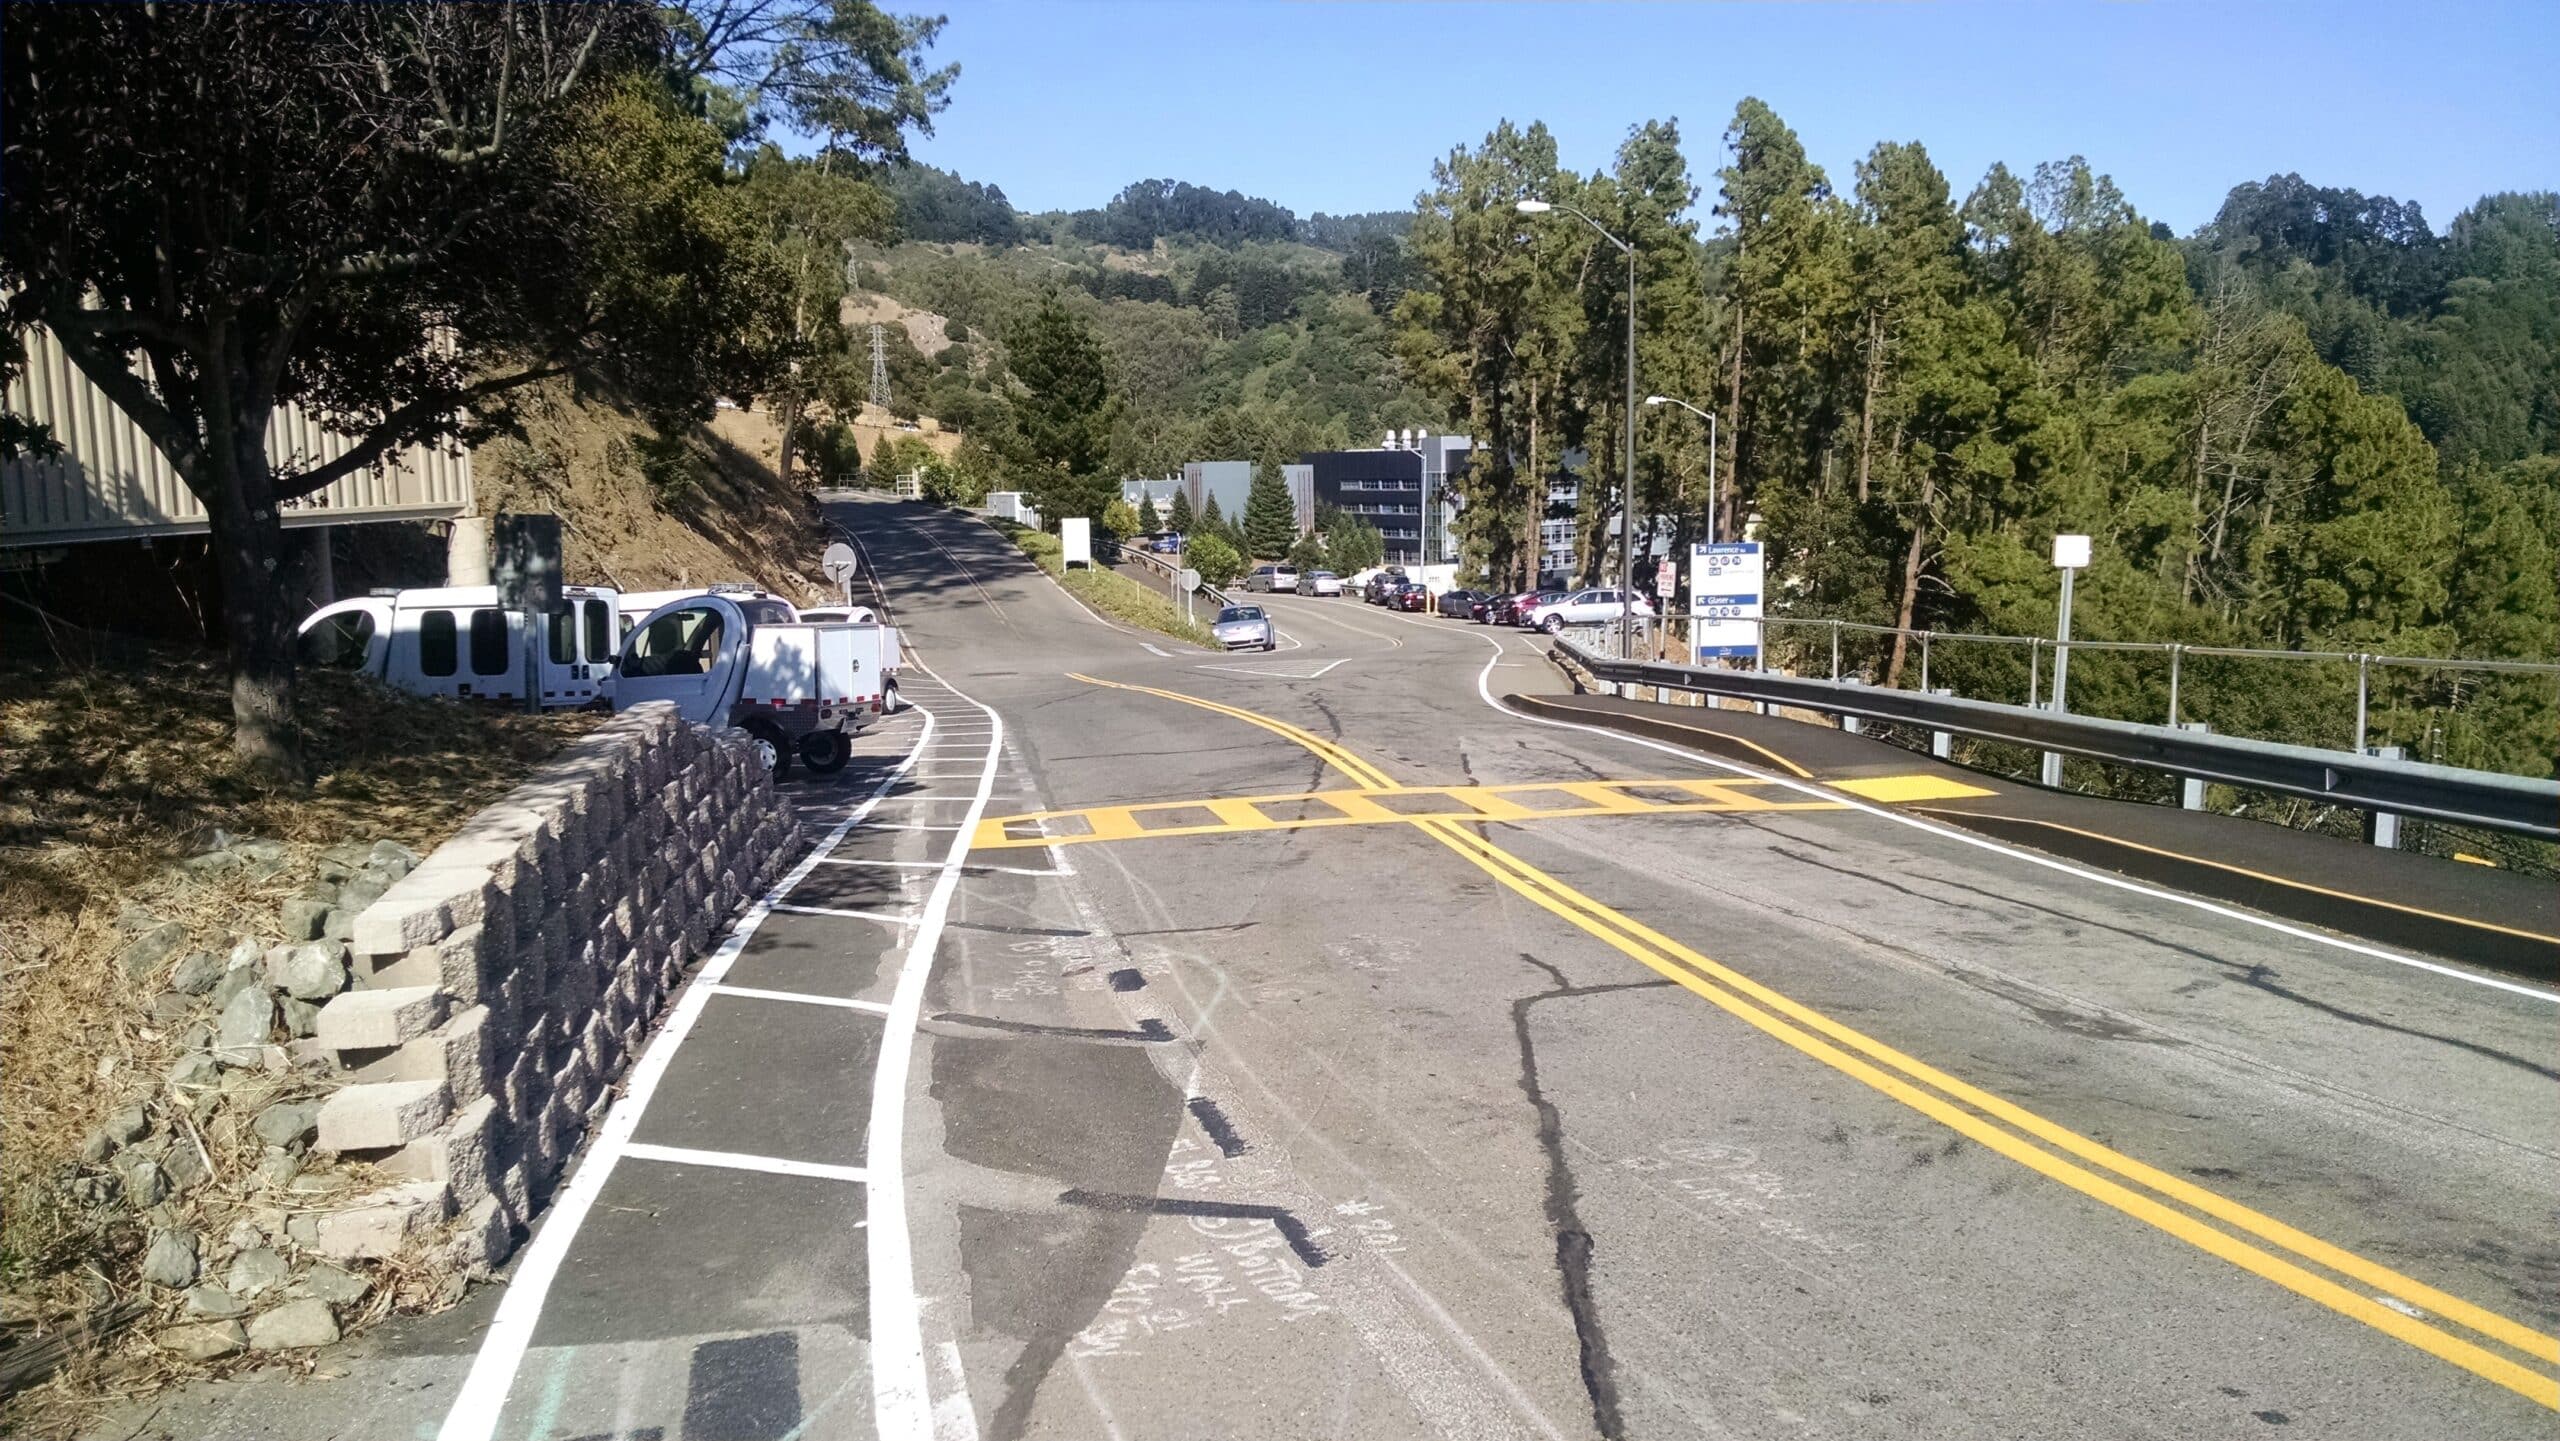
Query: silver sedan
[(1245, 627)]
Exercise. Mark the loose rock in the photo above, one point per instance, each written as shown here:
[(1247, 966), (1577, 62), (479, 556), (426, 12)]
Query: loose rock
[(361, 890), (171, 1261), (128, 1125), (334, 1285), (301, 1018), (303, 916), (152, 949), (212, 863), (294, 1326), (185, 1167), (235, 979), (145, 1182), (244, 1236), (214, 1303), (311, 971), (256, 1271), (393, 857), (278, 1167), (257, 849), (195, 1071), (170, 1007), (204, 1341), (240, 1036), (96, 1147), (196, 974), (287, 1123)]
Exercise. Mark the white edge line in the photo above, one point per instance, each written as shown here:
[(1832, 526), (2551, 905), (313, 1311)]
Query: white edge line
[(902, 1399), (2048, 862), (740, 1161), (475, 1411), (759, 993)]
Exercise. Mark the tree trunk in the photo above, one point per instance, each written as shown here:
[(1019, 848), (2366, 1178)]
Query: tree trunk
[(1536, 492), (260, 576), (1731, 526), (2195, 502), (1867, 405), (1910, 581)]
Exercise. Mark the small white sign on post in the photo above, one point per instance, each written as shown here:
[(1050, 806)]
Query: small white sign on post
[(1725, 582), (2071, 552), (1075, 541), (1666, 579)]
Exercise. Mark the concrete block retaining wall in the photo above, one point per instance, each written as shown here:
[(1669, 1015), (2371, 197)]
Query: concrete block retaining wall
[(503, 986)]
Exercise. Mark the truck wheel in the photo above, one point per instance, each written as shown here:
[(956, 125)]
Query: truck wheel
[(771, 747), (825, 752)]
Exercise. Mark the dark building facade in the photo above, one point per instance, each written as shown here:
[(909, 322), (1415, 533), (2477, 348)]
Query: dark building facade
[(1387, 488)]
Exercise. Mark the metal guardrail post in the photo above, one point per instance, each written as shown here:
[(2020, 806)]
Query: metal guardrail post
[(2364, 674), (1942, 744), (2049, 770), (1924, 660), (1835, 650), (2035, 672), (2191, 788), (2175, 650), (1849, 724), (2382, 828)]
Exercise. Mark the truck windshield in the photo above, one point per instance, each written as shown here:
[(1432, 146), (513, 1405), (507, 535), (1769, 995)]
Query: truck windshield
[(679, 643)]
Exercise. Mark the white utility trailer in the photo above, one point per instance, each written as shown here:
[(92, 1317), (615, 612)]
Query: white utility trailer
[(797, 688), (458, 641)]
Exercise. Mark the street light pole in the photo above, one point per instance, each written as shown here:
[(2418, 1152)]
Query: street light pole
[(1627, 489), (1709, 417)]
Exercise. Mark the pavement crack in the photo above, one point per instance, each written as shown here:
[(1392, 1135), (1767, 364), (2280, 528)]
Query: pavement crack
[(1573, 1241), (1149, 1029)]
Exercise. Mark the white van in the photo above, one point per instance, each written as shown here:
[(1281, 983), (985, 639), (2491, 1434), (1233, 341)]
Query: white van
[(1272, 578), (454, 640)]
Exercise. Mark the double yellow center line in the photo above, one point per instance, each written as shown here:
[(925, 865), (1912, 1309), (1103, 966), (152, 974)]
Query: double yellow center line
[(2253, 1241)]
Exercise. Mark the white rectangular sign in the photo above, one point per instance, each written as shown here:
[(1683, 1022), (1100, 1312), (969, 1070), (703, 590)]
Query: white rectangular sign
[(1725, 582), (1075, 541)]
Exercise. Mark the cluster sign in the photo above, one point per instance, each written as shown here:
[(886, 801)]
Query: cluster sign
[(1724, 600)]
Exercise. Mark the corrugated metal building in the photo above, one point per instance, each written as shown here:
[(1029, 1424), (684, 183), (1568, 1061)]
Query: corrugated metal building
[(111, 483)]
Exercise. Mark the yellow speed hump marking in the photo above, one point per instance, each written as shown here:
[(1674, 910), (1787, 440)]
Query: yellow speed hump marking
[(2353, 1285), (1236, 815)]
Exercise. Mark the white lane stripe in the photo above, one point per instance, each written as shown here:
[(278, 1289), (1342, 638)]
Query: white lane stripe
[(1825, 793), (759, 993), (740, 1161), (902, 1399), (889, 918), (905, 826), (1056, 870), (475, 1411)]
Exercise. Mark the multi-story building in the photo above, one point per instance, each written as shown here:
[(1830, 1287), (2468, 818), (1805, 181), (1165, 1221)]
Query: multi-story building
[(1401, 487)]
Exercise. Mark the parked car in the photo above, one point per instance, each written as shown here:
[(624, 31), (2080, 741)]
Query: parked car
[(1506, 608), (1458, 603), (1582, 607), (1384, 584), (1482, 605), (1272, 577), (1323, 582), (1413, 595), (1245, 627)]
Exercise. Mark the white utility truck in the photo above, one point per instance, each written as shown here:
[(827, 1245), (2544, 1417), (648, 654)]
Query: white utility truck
[(763, 606), (456, 641), (732, 660)]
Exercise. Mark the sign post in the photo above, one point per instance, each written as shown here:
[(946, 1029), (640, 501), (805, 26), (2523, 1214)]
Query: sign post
[(1188, 580), (1725, 583), (840, 565), (2070, 556), (524, 562)]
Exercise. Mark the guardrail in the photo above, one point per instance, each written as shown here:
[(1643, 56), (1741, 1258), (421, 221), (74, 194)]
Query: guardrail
[(2397, 787), (1171, 572)]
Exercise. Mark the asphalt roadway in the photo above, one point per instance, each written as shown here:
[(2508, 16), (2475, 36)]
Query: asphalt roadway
[(1171, 1045)]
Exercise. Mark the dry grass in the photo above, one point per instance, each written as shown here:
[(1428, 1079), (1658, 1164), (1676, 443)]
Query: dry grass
[(112, 771), (646, 514)]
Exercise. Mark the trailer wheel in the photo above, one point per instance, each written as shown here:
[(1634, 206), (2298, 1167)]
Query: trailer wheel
[(771, 747), (825, 752)]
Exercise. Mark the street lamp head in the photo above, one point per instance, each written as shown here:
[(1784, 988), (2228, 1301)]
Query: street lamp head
[(1657, 400), (1533, 207)]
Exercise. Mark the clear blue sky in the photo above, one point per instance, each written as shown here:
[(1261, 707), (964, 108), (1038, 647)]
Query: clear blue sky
[(1343, 106)]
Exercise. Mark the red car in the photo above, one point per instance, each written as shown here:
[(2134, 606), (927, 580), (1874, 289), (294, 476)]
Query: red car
[(1412, 597)]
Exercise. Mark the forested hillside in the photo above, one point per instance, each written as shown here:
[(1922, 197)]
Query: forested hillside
[(2316, 423)]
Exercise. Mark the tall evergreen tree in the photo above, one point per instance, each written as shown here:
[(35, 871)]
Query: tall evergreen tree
[(1149, 522), (1270, 516), (1179, 518), (1063, 417)]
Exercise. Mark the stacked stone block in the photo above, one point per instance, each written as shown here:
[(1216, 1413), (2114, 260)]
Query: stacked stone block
[(504, 985)]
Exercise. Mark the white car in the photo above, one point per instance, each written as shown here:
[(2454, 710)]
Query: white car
[(1582, 607), (1244, 627), (1323, 582)]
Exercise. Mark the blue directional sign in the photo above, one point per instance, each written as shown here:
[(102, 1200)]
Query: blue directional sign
[(1725, 583)]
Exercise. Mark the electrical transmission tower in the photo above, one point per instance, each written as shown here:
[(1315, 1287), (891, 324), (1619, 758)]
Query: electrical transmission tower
[(879, 370)]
